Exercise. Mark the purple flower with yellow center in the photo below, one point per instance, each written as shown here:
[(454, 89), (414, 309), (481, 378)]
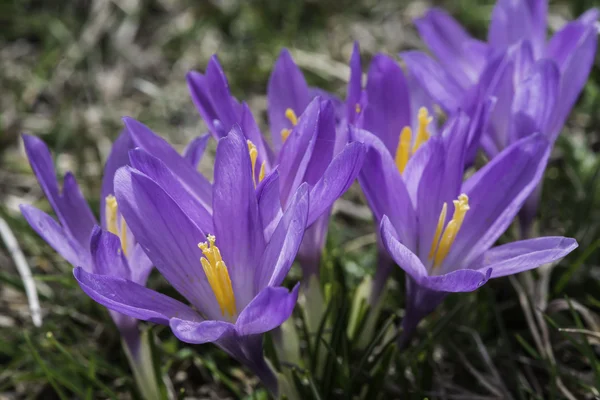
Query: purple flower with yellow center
[(401, 115), (230, 269), (79, 239), (309, 141), (439, 229), (535, 82), (398, 109)]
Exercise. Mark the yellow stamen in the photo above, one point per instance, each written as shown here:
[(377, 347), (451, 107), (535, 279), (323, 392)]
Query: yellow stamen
[(111, 210), (422, 134), (261, 174), (285, 133), (218, 276), (253, 156), (111, 214), (461, 206), (438, 231), (403, 150), (357, 108), (291, 115)]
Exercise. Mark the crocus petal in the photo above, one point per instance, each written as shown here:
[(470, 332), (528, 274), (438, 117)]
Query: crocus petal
[(589, 17), (252, 132), (313, 243), (194, 150), (81, 220), (199, 332), (403, 256), (430, 153), (420, 98), (281, 250), (524, 255), (424, 181), (191, 205), (435, 79), (449, 42), (384, 188), (159, 148), (269, 309), (237, 221), (535, 100), (70, 207), (339, 108), (479, 117), (573, 49), (511, 23), (498, 79), (296, 153), (354, 85), (496, 194), (324, 143), (118, 157), (107, 254), (462, 280), (198, 88), (56, 237), (211, 95), (388, 109), (269, 204), (140, 265), (167, 235), (123, 296), (456, 136), (338, 178), (287, 88)]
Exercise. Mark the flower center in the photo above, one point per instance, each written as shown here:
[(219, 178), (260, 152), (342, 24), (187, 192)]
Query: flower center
[(291, 116), (218, 276), (112, 224), (253, 156), (404, 151), (442, 242)]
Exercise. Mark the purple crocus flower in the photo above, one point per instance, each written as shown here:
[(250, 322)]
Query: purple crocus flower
[(78, 238), (230, 270), (535, 82), (441, 230), (401, 115), (309, 141)]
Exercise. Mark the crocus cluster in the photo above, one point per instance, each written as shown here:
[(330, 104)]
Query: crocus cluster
[(226, 246)]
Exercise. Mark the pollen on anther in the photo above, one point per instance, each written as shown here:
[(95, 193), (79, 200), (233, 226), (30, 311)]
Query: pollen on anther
[(218, 276), (291, 116)]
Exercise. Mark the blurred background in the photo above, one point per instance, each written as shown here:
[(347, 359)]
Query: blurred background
[(70, 70)]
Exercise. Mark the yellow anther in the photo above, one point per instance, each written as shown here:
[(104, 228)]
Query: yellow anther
[(253, 156), (357, 108), (218, 276), (461, 206), (291, 115), (422, 133), (111, 214), (111, 210), (285, 133), (438, 231), (261, 174), (403, 149)]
